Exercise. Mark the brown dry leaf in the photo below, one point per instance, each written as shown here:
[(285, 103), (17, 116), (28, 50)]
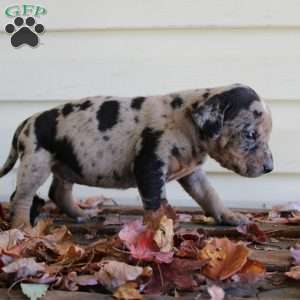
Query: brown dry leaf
[(73, 254), (115, 273), (251, 272), (59, 234), (24, 267), (164, 235), (152, 218), (10, 238), (202, 219), (225, 258), (128, 291), (40, 228), (294, 273)]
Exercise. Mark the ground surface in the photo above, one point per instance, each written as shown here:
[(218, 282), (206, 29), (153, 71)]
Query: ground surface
[(274, 253)]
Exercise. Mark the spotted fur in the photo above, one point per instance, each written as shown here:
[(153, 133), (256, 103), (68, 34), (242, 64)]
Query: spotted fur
[(141, 142)]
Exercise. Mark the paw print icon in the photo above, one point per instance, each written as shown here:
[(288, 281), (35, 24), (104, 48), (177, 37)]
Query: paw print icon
[(24, 32)]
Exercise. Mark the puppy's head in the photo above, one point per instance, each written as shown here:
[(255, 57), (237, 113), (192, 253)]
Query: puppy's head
[(236, 125)]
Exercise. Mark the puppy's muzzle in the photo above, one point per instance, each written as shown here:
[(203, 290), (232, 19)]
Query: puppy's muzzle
[(268, 166)]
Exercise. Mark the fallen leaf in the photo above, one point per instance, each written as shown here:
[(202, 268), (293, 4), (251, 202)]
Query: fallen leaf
[(296, 255), (152, 218), (128, 291), (252, 232), (164, 235), (185, 218), (139, 239), (294, 218), (202, 219), (188, 249), (92, 202), (130, 232), (290, 206), (24, 267), (294, 273), (40, 228), (34, 291), (10, 238), (85, 280), (73, 254), (146, 249), (252, 272), (179, 274), (113, 273), (225, 258), (216, 292)]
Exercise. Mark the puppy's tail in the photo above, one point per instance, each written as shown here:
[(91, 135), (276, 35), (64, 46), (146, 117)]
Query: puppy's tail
[(13, 154)]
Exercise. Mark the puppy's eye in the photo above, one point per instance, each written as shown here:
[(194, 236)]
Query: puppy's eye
[(250, 135)]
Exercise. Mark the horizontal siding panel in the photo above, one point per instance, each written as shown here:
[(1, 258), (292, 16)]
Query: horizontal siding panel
[(127, 63), (104, 14)]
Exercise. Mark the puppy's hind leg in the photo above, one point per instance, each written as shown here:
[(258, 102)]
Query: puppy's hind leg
[(61, 194), (33, 171)]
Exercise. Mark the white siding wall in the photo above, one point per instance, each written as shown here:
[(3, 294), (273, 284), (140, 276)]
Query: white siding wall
[(140, 47)]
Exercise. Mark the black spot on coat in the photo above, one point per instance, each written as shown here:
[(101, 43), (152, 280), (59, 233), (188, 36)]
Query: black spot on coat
[(64, 152), (148, 169), (176, 102), (225, 106), (236, 100), (206, 95), (16, 135), (108, 115), (137, 102), (85, 105), (26, 131), (45, 129), (175, 151), (67, 109), (257, 114), (21, 149)]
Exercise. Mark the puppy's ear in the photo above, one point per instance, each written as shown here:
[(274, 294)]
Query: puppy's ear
[(209, 116)]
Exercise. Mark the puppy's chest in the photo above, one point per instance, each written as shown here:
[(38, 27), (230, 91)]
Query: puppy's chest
[(181, 166)]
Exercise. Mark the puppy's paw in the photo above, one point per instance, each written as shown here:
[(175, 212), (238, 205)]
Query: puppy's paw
[(234, 219)]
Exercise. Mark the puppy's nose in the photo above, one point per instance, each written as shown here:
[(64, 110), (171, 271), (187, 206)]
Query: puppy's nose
[(268, 167)]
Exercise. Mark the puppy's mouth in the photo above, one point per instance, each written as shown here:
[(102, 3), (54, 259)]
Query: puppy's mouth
[(249, 172)]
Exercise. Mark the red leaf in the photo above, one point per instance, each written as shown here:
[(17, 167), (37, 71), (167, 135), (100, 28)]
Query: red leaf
[(145, 248), (179, 274)]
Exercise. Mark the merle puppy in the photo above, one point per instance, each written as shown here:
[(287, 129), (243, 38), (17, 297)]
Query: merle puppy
[(141, 142)]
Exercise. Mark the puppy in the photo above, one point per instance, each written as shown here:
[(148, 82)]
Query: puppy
[(141, 142)]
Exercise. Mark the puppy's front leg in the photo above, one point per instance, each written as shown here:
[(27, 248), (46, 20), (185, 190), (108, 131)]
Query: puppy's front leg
[(198, 187), (150, 180)]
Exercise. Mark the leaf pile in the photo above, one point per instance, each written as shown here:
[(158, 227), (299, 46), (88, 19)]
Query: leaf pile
[(147, 256)]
